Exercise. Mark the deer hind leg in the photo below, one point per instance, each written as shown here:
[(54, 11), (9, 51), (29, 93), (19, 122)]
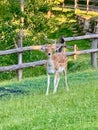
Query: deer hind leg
[(56, 82), (48, 84), (65, 77)]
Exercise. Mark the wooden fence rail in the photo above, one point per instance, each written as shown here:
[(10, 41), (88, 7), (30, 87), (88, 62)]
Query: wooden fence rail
[(42, 62), (28, 48), (90, 36), (18, 50), (93, 51), (21, 66)]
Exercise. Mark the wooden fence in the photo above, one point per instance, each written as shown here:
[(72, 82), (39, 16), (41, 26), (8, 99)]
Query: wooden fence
[(21, 65), (88, 5)]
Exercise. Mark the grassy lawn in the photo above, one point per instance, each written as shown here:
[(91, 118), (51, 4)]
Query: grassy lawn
[(24, 106), (91, 14)]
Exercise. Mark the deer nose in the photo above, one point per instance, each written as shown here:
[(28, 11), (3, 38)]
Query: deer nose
[(49, 54)]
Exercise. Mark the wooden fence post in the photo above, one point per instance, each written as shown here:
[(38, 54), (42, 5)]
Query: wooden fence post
[(94, 55), (19, 76), (86, 25), (20, 41), (94, 61), (75, 5), (87, 6), (75, 50)]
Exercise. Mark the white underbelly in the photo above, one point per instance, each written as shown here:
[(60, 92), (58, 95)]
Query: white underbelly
[(61, 69), (51, 70)]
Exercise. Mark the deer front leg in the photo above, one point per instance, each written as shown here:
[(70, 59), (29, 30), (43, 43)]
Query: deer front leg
[(48, 84), (56, 82)]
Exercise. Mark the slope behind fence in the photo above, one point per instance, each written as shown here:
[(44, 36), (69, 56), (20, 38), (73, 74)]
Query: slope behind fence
[(93, 51)]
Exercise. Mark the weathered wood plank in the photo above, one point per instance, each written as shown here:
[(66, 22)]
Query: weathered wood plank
[(75, 5), (90, 36), (20, 40), (21, 66), (42, 62), (21, 49), (82, 52), (94, 55), (28, 48)]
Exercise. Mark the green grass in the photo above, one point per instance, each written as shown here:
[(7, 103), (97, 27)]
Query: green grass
[(27, 107), (91, 14)]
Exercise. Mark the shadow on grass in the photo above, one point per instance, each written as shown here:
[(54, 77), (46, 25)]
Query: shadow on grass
[(7, 91), (26, 86), (69, 13)]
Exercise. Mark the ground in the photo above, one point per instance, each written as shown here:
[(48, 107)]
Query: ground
[(25, 106)]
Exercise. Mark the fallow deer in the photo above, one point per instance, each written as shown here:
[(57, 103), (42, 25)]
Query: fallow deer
[(56, 64)]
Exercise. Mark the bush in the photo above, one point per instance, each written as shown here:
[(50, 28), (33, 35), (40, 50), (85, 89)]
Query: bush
[(44, 8)]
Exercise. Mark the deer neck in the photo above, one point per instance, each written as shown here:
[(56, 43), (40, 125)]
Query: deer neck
[(50, 66), (50, 62)]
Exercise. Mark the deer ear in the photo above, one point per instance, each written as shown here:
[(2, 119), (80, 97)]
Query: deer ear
[(57, 48), (53, 46), (43, 48)]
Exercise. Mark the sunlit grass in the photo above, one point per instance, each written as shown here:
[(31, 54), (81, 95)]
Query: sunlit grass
[(90, 14), (73, 110), (61, 19), (60, 9)]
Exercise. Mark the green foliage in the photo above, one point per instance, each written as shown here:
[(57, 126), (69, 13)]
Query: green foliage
[(36, 27), (9, 19), (58, 1), (70, 2), (37, 5), (44, 8)]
